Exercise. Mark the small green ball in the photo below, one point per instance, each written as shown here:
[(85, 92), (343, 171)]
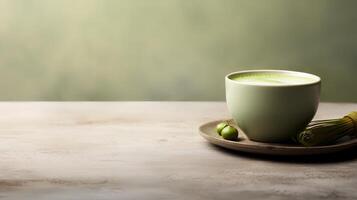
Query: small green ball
[(220, 127), (229, 133)]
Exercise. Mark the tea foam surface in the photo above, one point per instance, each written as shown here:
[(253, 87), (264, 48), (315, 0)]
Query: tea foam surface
[(272, 78)]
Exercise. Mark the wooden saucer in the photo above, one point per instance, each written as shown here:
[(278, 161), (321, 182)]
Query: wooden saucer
[(208, 131)]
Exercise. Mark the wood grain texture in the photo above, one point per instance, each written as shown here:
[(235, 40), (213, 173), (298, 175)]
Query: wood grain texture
[(151, 150)]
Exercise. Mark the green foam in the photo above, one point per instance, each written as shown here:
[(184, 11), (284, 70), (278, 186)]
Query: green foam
[(272, 78)]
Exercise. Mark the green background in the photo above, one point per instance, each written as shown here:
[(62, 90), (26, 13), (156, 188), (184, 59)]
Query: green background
[(170, 49)]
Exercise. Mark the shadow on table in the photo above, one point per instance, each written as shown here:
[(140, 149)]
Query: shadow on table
[(342, 156)]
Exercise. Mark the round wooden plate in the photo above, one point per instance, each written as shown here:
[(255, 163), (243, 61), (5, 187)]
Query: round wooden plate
[(208, 131)]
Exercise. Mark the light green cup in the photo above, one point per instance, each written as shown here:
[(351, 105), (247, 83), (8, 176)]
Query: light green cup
[(272, 105)]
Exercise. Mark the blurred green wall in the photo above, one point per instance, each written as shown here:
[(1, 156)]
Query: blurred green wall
[(170, 49)]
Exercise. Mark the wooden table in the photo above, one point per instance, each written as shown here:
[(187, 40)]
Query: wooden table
[(151, 150)]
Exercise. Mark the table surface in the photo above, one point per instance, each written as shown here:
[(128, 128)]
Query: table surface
[(151, 150)]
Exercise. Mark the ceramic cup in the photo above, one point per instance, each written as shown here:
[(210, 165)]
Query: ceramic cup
[(269, 112)]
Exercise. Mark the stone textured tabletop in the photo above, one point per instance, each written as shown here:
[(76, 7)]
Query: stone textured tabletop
[(151, 150)]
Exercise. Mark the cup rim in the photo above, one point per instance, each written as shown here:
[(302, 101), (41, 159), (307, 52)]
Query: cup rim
[(316, 79)]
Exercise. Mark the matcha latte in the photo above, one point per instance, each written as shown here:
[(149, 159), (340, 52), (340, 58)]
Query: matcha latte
[(272, 105), (273, 78)]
